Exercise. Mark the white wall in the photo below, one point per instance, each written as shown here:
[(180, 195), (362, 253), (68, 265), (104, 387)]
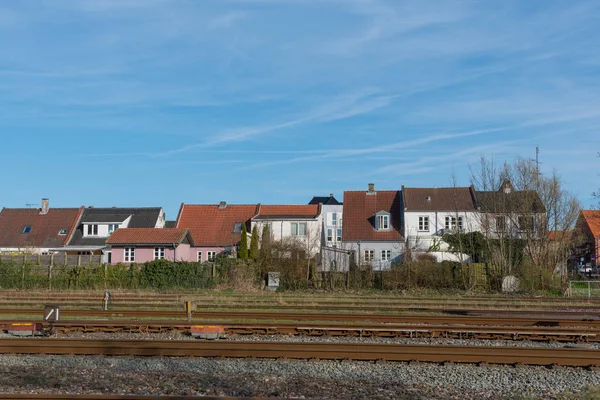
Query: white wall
[(282, 229), (327, 223), (422, 241), (396, 249)]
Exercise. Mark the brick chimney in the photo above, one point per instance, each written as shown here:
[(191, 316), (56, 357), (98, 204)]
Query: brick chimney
[(371, 188), (45, 206)]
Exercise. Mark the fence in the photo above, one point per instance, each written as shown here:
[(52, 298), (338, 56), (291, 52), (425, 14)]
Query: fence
[(583, 288), (52, 259)]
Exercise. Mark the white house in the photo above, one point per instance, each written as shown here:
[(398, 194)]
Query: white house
[(333, 257), (429, 213)]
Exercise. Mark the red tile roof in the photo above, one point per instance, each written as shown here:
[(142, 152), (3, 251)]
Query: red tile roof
[(288, 211), (592, 219), (45, 228), (211, 225), (439, 199), (359, 214), (148, 236)]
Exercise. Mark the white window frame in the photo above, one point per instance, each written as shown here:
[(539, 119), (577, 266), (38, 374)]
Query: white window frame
[(459, 224), (199, 255), (159, 253), (386, 255), (92, 228), (383, 222), (338, 236), (369, 255), (334, 219), (112, 228), (330, 234), (211, 255), (423, 223), (503, 219), (129, 254), (295, 228)]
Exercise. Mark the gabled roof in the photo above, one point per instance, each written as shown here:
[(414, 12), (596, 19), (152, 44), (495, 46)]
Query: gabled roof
[(281, 211), (508, 199), (212, 225), (150, 236), (592, 219), (325, 200), (141, 217), (360, 208), (45, 228), (439, 199)]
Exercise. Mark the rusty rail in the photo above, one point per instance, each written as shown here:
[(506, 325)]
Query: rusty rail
[(575, 357), (29, 396)]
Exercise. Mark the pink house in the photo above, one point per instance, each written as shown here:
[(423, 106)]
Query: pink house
[(215, 228), (140, 245)]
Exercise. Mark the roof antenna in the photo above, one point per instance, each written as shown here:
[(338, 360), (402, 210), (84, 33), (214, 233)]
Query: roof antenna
[(31, 205)]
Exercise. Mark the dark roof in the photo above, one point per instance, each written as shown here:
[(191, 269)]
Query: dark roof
[(143, 217), (288, 211), (360, 208), (439, 199), (45, 228), (507, 199), (149, 236), (325, 200), (170, 224), (212, 225)]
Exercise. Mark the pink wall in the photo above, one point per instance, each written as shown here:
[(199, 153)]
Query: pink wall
[(144, 254), (194, 252)]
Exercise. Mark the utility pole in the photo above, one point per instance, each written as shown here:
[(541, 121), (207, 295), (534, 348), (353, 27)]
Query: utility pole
[(537, 167)]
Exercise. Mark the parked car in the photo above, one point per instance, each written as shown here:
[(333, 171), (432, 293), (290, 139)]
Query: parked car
[(584, 269)]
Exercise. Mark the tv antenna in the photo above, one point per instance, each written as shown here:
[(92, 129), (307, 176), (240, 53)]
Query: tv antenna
[(31, 205)]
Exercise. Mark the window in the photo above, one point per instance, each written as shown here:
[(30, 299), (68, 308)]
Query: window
[(211, 255), (339, 235), (369, 255), (386, 255), (526, 224), (129, 254), (159, 253), (453, 223), (63, 231), (112, 228), (423, 224), (383, 222), (298, 228), (333, 219), (460, 224), (500, 224), (237, 227), (330, 235), (26, 229), (92, 230), (200, 256)]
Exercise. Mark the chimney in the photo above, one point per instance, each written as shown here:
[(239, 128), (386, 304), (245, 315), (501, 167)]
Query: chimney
[(223, 204), (331, 195), (45, 206), (428, 198), (371, 188)]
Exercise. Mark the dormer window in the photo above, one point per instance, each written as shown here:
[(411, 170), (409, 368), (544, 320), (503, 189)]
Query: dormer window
[(63, 231), (112, 228), (92, 230), (237, 227), (26, 230), (382, 221)]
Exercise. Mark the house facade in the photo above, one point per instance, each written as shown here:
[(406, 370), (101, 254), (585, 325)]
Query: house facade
[(333, 257), (140, 245), (301, 224), (371, 228), (96, 225), (41, 230), (216, 229), (587, 236), (430, 213), (511, 213)]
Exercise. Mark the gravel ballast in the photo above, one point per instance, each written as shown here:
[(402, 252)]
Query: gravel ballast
[(270, 378)]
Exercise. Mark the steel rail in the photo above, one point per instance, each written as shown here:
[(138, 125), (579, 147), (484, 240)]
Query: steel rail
[(534, 333), (333, 307), (575, 357), (27, 396), (475, 318)]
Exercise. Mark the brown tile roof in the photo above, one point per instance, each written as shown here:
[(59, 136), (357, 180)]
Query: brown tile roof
[(213, 226), (45, 228), (592, 219), (360, 209), (439, 199), (288, 211), (149, 236), (497, 201)]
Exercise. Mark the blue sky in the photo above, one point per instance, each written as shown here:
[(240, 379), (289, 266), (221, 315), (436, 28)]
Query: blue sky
[(158, 102)]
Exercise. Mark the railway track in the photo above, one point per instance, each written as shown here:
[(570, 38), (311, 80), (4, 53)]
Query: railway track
[(28, 396), (477, 317), (533, 333), (574, 357)]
